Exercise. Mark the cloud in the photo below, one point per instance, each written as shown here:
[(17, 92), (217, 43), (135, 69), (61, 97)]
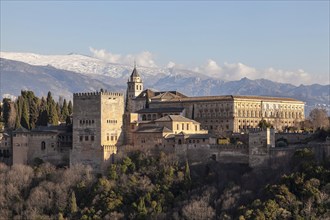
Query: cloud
[(144, 58), (170, 65), (236, 71), (226, 71)]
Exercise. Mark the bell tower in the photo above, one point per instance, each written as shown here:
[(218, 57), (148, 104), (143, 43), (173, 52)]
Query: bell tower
[(134, 84), (134, 88)]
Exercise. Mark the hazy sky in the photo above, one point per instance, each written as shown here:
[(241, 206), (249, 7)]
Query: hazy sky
[(246, 38)]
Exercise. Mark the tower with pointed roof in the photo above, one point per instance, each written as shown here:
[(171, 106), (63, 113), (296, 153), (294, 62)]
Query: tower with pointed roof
[(134, 88)]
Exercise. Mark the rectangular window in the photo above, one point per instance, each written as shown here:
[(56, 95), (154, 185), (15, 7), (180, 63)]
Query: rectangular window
[(81, 138), (92, 138), (111, 138), (86, 138), (182, 126), (177, 127), (115, 138), (188, 127), (195, 127), (107, 138)]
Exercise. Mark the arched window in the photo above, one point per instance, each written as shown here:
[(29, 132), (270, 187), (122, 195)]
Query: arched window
[(43, 145), (144, 117)]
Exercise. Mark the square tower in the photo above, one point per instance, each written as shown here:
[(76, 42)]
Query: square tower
[(97, 128)]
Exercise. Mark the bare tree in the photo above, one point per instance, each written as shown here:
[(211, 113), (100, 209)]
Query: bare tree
[(319, 118), (198, 209)]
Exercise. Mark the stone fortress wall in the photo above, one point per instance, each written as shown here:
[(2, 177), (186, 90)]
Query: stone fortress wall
[(97, 127)]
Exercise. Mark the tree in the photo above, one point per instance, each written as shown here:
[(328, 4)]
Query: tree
[(187, 177), (43, 113), (319, 118), (263, 124), (9, 113), (18, 118), (64, 111), (70, 108), (34, 111), (141, 208), (73, 203), (25, 115), (58, 111), (52, 114)]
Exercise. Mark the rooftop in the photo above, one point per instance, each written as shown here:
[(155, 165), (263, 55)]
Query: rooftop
[(177, 118), (160, 110), (230, 98), (153, 129)]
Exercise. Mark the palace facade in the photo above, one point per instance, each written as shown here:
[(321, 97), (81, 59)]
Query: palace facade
[(220, 115)]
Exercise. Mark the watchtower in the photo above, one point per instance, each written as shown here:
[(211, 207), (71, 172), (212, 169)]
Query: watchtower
[(97, 127)]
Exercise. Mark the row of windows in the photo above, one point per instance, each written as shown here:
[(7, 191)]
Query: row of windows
[(87, 122), (64, 138), (111, 121), (216, 105), (216, 127), (219, 114), (268, 106), (213, 110), (4, 153), (5, 143), (87, 138), (184, 126), (137, 87), (216, 121), (269, 114), (149, 117), (112, 138)]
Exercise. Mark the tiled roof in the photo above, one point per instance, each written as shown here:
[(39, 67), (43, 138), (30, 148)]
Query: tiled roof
[(153, 129), (230, 98), (150, 93), (160, 110), (178, 118), (189, 136)]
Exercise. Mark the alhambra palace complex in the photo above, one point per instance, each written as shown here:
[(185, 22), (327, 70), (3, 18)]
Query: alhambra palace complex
[(193, 128)]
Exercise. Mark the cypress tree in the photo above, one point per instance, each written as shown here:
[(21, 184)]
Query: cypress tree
[(73, 203), (18, 118), (49, 98), (58, 111), (25, 115), (43, 113), (52, 114), (34, 111), (5, 110), (187, 177), (70, 109), (64, 111)]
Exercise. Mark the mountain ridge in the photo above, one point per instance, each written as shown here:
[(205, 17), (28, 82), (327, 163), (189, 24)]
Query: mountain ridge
[(114, 77)]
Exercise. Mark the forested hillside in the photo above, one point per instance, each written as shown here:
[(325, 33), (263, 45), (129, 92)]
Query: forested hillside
[(139, 186)]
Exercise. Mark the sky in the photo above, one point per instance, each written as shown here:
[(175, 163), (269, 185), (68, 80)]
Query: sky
[(285, 41)]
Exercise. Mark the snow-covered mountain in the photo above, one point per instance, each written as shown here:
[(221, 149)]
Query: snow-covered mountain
[(64, 74)]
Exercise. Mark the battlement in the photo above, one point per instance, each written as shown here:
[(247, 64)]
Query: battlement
[(89, 94)]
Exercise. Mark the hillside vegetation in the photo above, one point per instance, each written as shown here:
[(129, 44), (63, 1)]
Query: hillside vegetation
[(139, 186)]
